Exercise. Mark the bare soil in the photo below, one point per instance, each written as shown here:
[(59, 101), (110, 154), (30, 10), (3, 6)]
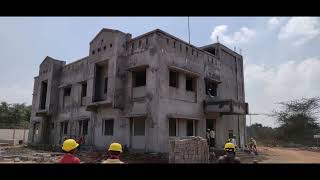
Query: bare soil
[(288, 155), (21, 154)]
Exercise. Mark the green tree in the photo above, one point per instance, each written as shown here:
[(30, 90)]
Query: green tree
[(297, 120), (14, 115), (263, 134)]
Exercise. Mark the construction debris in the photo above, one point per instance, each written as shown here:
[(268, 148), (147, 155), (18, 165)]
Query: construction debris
[(20, 154)]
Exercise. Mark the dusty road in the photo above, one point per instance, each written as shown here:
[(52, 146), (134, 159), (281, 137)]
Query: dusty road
[(288, 155)]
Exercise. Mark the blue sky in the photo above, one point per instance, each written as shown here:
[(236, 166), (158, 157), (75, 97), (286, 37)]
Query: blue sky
[(281, 54)]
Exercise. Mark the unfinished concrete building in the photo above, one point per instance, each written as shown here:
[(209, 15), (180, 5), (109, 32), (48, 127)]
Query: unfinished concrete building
[(140, 92)]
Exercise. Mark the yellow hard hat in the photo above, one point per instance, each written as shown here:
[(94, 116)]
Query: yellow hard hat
[(229, 147), (115, 147), (69, 145)]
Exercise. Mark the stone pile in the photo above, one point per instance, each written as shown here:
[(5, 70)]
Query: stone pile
[(191, 149)]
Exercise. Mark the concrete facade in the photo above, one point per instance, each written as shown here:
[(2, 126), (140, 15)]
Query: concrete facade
[(121, 92)]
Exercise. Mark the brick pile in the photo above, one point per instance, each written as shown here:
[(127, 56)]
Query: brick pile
[(188, 150)]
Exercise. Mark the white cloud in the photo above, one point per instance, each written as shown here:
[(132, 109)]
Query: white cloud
[(300, 29), (244, 35), (266, 86), (273, 23)]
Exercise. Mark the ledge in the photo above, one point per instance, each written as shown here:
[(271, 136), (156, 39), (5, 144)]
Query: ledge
[(177, 116), (213, 80), (132, 115), (93, 106), (186, 71), (135, 68), (42, 112)]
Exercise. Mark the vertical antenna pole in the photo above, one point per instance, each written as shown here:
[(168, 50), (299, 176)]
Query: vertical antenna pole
[(189, 29)]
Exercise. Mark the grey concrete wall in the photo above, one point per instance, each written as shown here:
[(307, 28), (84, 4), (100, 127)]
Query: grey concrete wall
[(11, 134), (156, 100), (101, 140), (232, 87)]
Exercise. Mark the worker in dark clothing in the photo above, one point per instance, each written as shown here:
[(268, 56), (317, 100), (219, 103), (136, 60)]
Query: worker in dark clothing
[(208, 137), (230, 156)]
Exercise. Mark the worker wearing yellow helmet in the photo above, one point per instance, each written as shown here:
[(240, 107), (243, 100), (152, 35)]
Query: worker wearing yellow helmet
[(114, 151), (69, 147), (230, 154)]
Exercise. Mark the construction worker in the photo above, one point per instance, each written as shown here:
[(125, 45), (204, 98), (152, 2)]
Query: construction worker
[(114, 151), (69, 147), (208, 137), (246, 149), (230, 156), (253, 142), (212, 137), (234, 141), (253, 146)]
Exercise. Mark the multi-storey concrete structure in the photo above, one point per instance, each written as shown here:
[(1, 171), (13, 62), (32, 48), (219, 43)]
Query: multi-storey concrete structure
[(139, 92)]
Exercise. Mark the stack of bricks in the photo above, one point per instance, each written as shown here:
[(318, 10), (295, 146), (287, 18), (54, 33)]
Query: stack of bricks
[(188, 150)]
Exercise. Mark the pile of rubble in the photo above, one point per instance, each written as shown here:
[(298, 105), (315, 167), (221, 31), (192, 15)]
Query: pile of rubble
[(127, 157), (188, 150), (315, 149), (22, 154), (26, 155)]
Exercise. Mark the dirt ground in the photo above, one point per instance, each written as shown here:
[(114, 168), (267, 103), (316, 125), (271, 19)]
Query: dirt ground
[(22, 154), (287, 155)]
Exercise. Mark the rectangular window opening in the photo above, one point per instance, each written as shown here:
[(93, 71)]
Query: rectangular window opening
[(211, 88), (190, 84), (85, 127), (105, 85), (190, 128), (64, 128), (108, 127), (43, 96), (67, 91), (172, 127), (174, 79), (139, 78), (139, 127), (83, 89)]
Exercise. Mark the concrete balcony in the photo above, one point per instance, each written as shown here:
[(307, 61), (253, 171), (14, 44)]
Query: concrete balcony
[(93, 106), (225, 106), (42, 112), (48, 111)]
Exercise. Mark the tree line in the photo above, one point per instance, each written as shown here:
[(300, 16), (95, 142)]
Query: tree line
[(297, 121), (14, 115)]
